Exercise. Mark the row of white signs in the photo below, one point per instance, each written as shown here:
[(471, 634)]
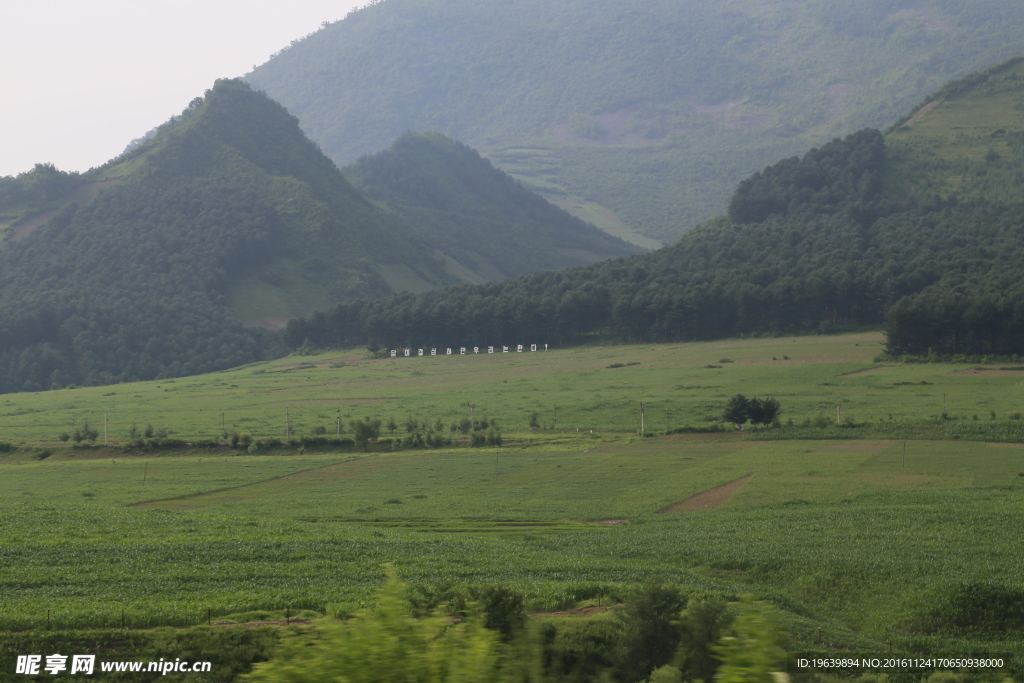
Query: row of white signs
[(462, 350)]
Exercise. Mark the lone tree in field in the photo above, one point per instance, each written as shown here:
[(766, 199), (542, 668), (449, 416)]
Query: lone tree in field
[(736, 410), (763, 411), (365, 430), (741, 409)]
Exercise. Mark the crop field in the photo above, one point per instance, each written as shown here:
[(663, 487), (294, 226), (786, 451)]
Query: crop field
[(589, 388), (914, 541)]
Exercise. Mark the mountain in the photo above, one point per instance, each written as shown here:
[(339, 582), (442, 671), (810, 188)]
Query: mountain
[(488, 226), (920, 230), (228, 212), (639, 116), (169, 259)]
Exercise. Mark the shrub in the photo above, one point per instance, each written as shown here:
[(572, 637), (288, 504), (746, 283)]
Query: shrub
[(702, 626), (666, 674), (650, 630), (753, 649), (387, 644), (365, 430), (740, 409), (579, 650), (736, 409), (504, 609)]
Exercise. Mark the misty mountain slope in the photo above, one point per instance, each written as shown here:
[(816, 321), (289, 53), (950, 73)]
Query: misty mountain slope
[(654, 109), (475, 214), (921, 230)]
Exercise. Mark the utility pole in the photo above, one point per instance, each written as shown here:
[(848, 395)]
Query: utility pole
[(472, 419), (641, 418), (839, 413), (339, 423)]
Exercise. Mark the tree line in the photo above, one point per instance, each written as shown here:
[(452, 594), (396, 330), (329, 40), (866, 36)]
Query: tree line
[(810, 245)]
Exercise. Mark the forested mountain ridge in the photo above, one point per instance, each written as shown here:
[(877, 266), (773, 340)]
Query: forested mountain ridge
[(476, 215), (153, 277), (655, 109), (853, 233), (160, 262)]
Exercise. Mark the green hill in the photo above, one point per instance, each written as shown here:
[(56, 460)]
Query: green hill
[(228, 214), (488, 226), (653, 109), (863, 231), (227, 218)]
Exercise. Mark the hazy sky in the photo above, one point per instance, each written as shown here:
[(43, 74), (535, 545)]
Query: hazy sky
[(81, 78)]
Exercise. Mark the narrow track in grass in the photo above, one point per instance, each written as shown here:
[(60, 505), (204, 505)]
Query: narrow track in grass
[(707, 500), (357, 466)]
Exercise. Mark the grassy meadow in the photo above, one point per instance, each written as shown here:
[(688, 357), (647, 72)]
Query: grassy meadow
[(868, 539), (570, 390)]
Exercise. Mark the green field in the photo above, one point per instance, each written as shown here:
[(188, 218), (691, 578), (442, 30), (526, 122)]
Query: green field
[(573, 389), (869, 539)]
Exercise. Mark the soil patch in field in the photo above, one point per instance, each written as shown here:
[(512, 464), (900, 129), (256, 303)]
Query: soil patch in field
[(611, 522), (869, 371), (256, 624), (708, 500)]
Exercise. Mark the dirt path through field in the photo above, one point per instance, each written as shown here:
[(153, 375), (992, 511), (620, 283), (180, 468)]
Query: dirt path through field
[(708, 500), (346, 469), (922, 111)]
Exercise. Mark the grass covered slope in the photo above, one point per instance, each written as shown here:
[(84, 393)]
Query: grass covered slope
[(964, 141), (865, 230), (458, 203), (865, 539), (652, 109)]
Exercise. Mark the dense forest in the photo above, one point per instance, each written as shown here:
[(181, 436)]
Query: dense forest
[(168, 259), (817, 243), (655, 109), (140, 282), (457, 202)]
